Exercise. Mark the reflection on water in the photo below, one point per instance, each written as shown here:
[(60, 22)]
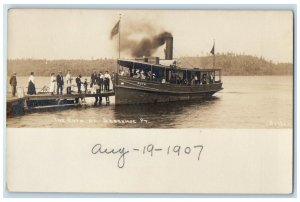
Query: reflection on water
[(245, 102), (173, 114)]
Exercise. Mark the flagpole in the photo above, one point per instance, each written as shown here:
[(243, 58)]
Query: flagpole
[(214, 59), (119, 35)]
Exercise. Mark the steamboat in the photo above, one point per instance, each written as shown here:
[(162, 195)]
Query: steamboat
[(153, 80)]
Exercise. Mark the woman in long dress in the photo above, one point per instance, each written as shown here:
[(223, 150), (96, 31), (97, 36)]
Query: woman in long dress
[(31, 85), (52, 83)]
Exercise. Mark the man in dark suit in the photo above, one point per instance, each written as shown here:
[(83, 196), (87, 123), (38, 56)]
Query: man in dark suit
[(98, 89), (13, 83), (78, 82), (93, 78), (60, 83)]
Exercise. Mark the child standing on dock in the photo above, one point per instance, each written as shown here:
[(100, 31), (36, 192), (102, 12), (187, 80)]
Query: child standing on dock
[(85, 85)]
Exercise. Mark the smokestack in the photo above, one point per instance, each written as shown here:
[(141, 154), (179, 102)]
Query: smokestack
[(169, 48)]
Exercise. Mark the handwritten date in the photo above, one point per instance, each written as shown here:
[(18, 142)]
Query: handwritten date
[(150, 150)]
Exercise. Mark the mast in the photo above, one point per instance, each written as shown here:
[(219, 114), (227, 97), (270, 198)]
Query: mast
[(214, 59), (119, 35), (119, 30)]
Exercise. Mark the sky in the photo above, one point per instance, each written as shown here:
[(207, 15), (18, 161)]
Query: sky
[(85, 33)]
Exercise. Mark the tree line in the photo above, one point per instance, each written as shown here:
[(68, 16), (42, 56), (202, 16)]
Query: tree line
[(244, 65), (231, 64)]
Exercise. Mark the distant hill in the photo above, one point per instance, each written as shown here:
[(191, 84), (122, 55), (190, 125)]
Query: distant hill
[(231, 64), (23, 67)]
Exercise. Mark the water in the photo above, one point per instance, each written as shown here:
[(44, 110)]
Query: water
[(245, 102)]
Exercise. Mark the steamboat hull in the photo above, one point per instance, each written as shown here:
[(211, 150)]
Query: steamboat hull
[(135, 91)]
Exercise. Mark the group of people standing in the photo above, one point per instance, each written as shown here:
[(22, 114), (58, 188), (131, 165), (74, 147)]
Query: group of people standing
[(31, 84), (58, 81), (102, 80), (99, 82), (194, 80)]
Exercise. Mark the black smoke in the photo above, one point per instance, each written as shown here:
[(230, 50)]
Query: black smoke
[(145, 46)]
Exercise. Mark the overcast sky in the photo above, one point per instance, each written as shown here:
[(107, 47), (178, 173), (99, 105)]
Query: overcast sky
[(85, 34)]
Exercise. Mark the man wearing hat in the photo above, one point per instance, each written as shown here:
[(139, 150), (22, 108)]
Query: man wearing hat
[(60, 83), (93, 78), (78, 82), (13, 83)]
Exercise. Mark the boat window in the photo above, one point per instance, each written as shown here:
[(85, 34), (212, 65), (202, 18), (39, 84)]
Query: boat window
[(217, 76), (169, 75)]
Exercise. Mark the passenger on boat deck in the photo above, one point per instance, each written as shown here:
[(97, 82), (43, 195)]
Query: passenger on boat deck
[(60, 83), (69, 82), (52, 83), (31, 85), (143, 75), (204, 79), (193, 81), (173, 78), (13, 83), (137, 74), (211, 78), (130, 72), (78, 82), (126, 73), (122, 72), (149, 75), (153, 76), (178, 79), (196, 80)]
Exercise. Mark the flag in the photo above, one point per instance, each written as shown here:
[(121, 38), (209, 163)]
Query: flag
[(213, 49), (115, 30)]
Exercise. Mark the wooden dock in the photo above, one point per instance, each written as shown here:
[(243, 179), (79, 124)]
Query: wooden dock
[(48, 96), (17, 106)]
